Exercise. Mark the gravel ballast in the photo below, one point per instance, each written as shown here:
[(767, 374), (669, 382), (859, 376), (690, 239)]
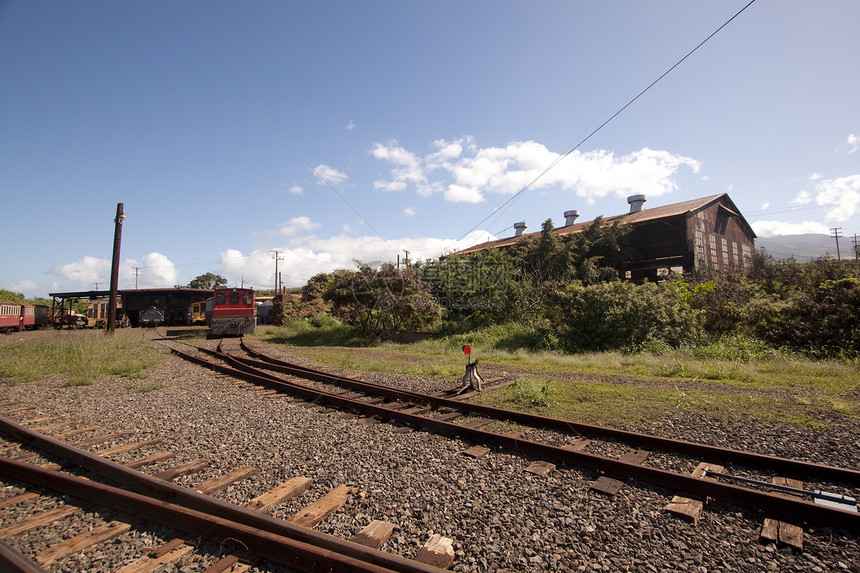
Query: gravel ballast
[(499, 516)]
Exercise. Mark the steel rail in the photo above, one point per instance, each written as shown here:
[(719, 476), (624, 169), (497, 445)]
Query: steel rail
[(783, 466), (788, 509), (278, 548), (172, 493)]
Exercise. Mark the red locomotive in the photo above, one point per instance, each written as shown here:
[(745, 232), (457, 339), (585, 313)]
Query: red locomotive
[(231, 312)]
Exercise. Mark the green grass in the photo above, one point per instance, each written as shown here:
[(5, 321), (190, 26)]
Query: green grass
[(81, 356), (721, 379)]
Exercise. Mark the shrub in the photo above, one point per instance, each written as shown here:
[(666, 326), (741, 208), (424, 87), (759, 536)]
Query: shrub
[(623, 315)]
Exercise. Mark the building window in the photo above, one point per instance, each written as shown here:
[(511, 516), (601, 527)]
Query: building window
[(701, 261), (725, 253), (736, 255), (747, 255), (712, 239)]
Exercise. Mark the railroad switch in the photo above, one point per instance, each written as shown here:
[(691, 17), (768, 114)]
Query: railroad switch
[(472, 379)]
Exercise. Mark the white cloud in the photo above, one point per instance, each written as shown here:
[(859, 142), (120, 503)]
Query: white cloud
[(155, 271), (842, 195), (29, 288), (297, 225), (327, 175), (460, 194), (86, 271), (469, 172), (350, 126), (314, 256), (408, 168), (815, 177), (409, 211), (779, 228), (295, 188), (803, 198), (853, 143), (765, 205)]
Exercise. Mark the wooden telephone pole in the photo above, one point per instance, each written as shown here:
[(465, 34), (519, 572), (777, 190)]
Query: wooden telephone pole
[(114, 269)]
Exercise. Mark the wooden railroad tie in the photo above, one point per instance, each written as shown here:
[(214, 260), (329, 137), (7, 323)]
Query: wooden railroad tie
[(375, 534), (774, 531), (540, 468), (43, 518), (314, 513), (150, 459), (100, 439), (56, 426), (128, 447), (438, 552), (17, 410), (187, 468), (289, 489), (159, 558), (71, 433), (477, 451), (687, 508), (217, 484), (82, 541), (610, 485)]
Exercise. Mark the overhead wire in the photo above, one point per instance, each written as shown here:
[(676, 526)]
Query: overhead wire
[(613, 116)]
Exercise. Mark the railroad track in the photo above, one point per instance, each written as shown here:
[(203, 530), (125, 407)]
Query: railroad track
[(721, 474), (93, 501)]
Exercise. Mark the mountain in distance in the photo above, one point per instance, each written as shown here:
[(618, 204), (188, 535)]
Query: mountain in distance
[(806, 247)]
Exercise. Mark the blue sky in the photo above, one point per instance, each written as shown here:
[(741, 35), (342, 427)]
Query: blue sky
[(335, 131)]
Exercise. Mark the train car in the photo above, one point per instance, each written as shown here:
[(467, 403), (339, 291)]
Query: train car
[(151, 317), (97, 313), (35, 316), (16, 316), (11, 319), (197, 313), (233, 312)]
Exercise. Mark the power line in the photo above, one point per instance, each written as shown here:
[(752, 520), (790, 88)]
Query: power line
[(613, 116)]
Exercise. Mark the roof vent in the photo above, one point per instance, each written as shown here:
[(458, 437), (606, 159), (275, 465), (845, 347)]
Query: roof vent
[(519, 228), (570, 217), (636, 202)]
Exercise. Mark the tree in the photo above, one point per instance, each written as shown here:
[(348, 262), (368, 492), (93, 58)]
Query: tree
[(208, 281), (384, 299)]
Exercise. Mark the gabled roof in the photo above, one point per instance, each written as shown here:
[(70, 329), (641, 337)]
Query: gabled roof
[(645, 215)]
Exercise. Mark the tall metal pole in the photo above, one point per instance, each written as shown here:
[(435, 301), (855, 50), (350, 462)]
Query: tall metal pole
[(114, 269)]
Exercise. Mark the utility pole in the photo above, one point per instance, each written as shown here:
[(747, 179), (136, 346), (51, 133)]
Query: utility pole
[(406, 262), (97, 285), (277, 256), (114, 269), (856, 252), (836, 236), (136, 274)]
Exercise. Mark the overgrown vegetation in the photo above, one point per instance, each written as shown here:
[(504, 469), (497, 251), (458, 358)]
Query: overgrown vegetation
[(779, 341), (564, 293), (79, 356)]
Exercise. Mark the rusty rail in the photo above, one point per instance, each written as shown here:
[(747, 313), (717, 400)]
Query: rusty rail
[(783, 466), (281, 549), (213, 508), (776, 506)]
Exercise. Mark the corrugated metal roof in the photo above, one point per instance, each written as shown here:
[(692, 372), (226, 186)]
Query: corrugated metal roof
[(662, 212)]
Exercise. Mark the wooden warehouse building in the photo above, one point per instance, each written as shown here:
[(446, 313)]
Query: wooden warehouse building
[(701, 234)]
